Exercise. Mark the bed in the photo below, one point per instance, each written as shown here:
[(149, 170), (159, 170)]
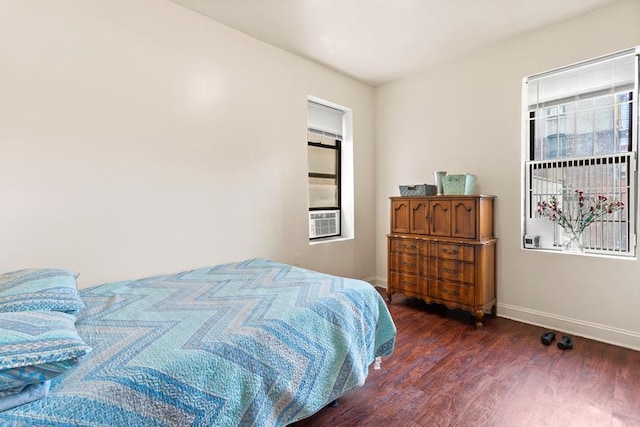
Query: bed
[(255, 343)]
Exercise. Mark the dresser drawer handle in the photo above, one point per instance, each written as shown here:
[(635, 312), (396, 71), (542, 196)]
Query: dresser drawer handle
[(453, 252), (454, 271), (453, 293), (408, 246), (404, 282), (408, 264)]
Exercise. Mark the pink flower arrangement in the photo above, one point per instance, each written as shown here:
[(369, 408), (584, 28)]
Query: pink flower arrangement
[(579, 215)]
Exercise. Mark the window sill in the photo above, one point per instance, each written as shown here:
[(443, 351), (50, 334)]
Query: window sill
[(329, 240), (585, 254)]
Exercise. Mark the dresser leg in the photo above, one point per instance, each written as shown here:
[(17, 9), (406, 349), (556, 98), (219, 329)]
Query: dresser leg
[(388, 297), (479, 317)]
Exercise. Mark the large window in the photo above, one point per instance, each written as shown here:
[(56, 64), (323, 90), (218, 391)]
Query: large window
[(581, 144), (324, 140)]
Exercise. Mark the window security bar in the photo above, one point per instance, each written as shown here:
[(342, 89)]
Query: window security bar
[(605, 175)]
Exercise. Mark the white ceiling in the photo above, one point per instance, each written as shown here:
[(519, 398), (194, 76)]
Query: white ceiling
[(377, 41)]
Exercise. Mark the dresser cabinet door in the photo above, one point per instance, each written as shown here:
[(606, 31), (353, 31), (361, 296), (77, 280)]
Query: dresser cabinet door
[(419, 221), (463, 219), (400, 216), (440, 218)]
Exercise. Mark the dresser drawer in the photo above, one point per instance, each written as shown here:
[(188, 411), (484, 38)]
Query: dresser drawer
[(456, 271), (452, 251), (454, 292), (405, 263), (407, 246), (405, 282)]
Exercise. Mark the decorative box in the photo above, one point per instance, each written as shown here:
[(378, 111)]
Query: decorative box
[(418, 190), (459, 184)]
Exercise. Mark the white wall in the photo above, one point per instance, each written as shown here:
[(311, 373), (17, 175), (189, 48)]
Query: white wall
[(139, 138), (465, 116)]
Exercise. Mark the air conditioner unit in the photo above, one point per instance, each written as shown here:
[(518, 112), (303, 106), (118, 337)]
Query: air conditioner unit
[(324, 224)]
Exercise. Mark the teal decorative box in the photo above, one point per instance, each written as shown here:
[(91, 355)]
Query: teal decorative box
[(459, 184)]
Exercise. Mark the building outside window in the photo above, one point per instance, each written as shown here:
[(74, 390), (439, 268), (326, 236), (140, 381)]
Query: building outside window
[(581, 136)]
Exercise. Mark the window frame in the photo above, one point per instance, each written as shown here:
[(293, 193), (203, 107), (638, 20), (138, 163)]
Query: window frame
[(326, 128), (562, 161)]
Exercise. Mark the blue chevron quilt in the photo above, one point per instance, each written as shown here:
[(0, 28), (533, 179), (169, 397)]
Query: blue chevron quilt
[(253, 343)]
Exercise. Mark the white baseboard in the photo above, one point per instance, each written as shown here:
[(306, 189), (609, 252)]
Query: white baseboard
[(377, 281), (595, 331)]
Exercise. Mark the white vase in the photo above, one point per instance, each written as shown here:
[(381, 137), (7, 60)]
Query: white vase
[(439, 177)]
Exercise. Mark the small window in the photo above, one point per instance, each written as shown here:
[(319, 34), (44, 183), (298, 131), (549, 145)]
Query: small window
[(582, 143), (324, 140)]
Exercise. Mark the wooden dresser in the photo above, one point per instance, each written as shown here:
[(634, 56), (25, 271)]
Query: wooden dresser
[(441, 249)]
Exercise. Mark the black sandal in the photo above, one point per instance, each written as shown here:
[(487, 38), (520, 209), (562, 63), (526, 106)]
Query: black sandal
[(565, 343), (547, 338)]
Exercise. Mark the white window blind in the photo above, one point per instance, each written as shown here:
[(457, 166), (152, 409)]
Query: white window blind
[(324, 118), (610, 74)]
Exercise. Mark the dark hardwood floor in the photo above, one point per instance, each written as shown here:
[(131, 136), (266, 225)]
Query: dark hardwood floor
[(444, 372)]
